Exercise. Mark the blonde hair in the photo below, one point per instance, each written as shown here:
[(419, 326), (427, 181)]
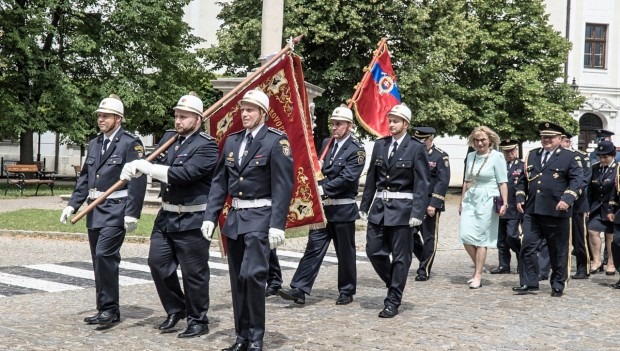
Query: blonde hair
[(493, 137)]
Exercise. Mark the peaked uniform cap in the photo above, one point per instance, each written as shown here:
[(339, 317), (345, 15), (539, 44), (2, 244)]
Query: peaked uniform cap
[(508, 144), (605, 148), (550, 129), (423, 132)]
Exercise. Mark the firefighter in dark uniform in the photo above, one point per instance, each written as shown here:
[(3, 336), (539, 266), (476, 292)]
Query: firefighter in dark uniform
[(395, 200), (614, 217), (118, 214), (439, 165), (602, 135), (338, 189), (603, 205), (509, 234), (580, 209), (555, 180), (256, 170), (185, 171)]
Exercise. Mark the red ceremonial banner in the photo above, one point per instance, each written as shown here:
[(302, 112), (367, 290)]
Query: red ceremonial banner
[(288, 112), (378, 94)]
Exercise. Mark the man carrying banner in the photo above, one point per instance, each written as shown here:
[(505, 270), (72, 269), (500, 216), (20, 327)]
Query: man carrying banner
[(395, 199), (338, 189), (439, 166), (185, 172), (256, 169)]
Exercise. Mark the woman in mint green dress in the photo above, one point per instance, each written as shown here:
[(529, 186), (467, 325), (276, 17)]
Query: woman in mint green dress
[(485, 178)]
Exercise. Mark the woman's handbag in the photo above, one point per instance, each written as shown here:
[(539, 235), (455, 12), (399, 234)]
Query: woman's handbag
[(498, 202)]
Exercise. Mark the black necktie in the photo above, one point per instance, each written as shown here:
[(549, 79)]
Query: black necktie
[(248, 142), (105, 145), (334, 151), (180, 142), (394, 147), (604, 169), (545, 158)]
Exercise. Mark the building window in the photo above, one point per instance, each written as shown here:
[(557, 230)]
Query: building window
[(595, 46)]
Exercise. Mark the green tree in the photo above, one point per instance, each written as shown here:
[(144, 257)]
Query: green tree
[(59, 58), (459, 63)]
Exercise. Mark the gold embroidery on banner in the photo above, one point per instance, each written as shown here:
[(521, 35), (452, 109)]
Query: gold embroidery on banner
[(279, 88), (301, 204), (225, 123)]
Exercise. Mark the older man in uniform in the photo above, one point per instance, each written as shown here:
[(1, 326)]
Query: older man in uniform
[(256, 169), (439, 165), (339, 187), (579, 233), (395, 200), (118, 213), (555, 180), (508, 237), (185, 171)]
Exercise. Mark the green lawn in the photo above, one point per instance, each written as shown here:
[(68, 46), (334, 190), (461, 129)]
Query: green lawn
[(48, 221)]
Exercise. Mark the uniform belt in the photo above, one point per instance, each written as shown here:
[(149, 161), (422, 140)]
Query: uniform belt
[(334, 202), (182, 208), (385, 195), (94, 194), (241, 204)]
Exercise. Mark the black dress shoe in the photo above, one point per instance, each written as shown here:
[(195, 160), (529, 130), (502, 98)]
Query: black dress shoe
[(610, 273), (388, 312), (255, 346), (194, 330), (421, 278), (272, 290), (172, 320), (344, 299), (525, 288), (556, 293), (580, 275), (500, 270), (107, 318), (92, 319), (617, 285), (294, 295), (237, 347)]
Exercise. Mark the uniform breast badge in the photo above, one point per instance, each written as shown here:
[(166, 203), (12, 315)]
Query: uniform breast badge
[(556, 175)]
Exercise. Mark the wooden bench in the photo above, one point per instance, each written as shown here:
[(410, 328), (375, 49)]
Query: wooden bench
[(21, 175)]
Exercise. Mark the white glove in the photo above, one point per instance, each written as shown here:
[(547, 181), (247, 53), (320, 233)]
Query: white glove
[(276, 237), (68, 211), (363, 216), (131, 223), (414, 222), (129, 171), (207, 229), (159, 172), (143, 166), (320, 189)]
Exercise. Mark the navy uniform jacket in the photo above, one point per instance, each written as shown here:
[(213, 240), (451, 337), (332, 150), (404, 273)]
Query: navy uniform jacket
[(407, 172), (342, 178), (560, 179), (516, 179), (100, 172), (266, 172), (581, 205), (439, 165), (601, 189), (189, 179)]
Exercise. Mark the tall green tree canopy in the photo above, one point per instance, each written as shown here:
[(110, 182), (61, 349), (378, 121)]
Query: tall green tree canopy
[(59, 58), (459, 63)]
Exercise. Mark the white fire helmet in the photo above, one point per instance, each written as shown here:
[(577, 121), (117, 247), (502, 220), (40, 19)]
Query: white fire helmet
[(190, 103), (112, 104), (256, 97), (401, 111), (342, 114)]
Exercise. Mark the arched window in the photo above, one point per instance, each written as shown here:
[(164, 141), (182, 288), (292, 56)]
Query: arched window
[(588, 123)]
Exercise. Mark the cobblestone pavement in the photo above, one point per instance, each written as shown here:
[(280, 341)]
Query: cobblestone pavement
[(440, 314)]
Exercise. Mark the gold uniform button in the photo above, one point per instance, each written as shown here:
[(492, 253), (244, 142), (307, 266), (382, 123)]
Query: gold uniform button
[(240, 179), (539, 182), (388, 177), (240, 193), (388, 188), (97, 175), (181, 162), (537, 191)]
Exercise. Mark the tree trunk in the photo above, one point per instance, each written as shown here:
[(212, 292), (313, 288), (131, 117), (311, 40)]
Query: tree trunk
[(26, 147)]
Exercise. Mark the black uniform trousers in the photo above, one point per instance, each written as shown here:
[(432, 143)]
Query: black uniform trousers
[(580, 243), (274, 279), (508, 239), (248, 265), (381, 241), (556, 231), (190, 250), (615, 246), (343, 235), (425, 251), (105, 250)]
